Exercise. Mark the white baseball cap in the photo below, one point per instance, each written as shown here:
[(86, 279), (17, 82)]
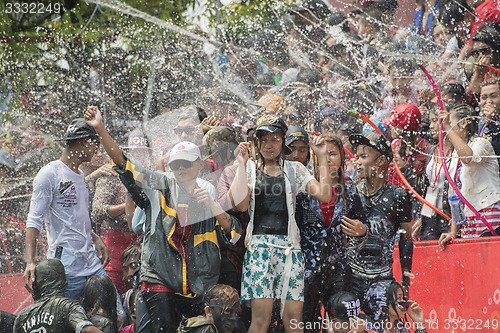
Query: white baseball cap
[(186, 151)]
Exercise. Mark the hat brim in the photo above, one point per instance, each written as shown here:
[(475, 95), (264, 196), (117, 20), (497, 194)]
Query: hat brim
[(78, 137), (267, 128), (183, 157), (292, 139), (390, 121)]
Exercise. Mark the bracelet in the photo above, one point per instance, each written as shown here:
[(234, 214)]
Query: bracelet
[(421, 330)]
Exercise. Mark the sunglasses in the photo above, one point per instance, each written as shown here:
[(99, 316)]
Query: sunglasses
[(293, 116), (484, 51), (187, 130), (175, 165)]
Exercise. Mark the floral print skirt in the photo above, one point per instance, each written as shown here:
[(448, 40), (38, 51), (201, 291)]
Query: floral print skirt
[(268, 274)]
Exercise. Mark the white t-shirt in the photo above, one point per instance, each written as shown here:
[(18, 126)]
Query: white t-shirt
[(61, 200)]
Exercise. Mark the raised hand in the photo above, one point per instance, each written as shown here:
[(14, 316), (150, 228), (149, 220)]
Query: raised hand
[(93, 117), (318, 146), (241, 153)]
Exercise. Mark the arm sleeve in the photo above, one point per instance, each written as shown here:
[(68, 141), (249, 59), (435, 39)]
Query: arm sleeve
[(302, 177), (41, 200), (405, 247), (136, 178), (76, 317), (481, 147), (138, 220), (103, 197), (235, 231)]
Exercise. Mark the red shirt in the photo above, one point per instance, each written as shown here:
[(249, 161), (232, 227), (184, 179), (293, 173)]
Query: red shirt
[(327, 208)]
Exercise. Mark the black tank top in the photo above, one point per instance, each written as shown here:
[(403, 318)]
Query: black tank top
[(271, 214)]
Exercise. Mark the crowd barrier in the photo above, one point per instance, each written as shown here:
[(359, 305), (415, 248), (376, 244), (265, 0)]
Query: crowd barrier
[(459, 288)]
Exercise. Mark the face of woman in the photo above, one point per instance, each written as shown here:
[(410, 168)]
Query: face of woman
[(434, 125), (400, 310), (270, 146), (334, 158)]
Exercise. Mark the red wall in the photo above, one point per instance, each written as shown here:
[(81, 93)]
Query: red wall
[(459, 289)]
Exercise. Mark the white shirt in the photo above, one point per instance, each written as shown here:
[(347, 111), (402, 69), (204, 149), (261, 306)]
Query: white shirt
[(61, 200)]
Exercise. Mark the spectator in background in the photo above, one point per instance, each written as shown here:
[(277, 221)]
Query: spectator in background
[(61, 314), (221, 312), (403, 89), (473, 163), (99, 301), (387, 306), (489, 101)]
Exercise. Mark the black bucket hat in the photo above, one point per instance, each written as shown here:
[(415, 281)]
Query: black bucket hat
[(79, 129), (374, 140), (296, 133)]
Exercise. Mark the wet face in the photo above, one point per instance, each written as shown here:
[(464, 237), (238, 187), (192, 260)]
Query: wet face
[(440, 35), (401, 306), (434, 125), (368, 162), (186, 129), (291, 116), (270, 146), (400, 80), (185, 171), (89, 147), (225, 316), (299, 153), (481, 49), (130, 266), (490, 101), (334, 158)]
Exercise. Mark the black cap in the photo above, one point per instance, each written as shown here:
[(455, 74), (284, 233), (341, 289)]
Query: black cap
[(271, 123), (374, 140), (343, 305), (296, 133), (79, 129)]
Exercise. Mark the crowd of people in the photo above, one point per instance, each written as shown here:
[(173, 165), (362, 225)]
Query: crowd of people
[(275, 202)]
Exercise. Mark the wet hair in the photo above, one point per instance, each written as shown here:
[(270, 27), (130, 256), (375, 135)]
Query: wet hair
[(373, 16), (257, 144), (193, 112), (100, 293), (453, 12), (131, 251), (392, 295), (339, 19), (329, 138), (464, 111), (221, 293), (384, 5), (405, 65), (491, 81), (455, 90), (489, 33)]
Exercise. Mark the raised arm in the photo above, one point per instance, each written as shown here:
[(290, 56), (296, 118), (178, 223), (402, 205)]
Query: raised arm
[(93, 117), (239, 193), (321, 190)]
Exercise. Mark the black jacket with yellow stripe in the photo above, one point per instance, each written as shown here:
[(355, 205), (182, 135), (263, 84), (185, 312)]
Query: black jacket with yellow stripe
[(161, 197)]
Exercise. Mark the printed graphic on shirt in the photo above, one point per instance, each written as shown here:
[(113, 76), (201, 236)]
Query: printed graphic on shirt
[(33, 323), (68, 197)]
